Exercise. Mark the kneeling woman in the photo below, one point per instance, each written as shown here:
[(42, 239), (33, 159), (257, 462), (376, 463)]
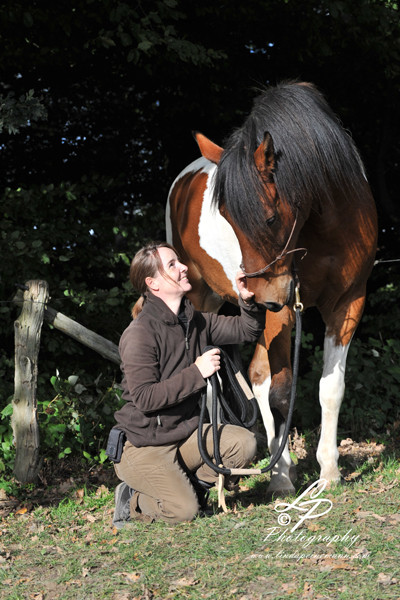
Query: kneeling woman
[(165, 373)]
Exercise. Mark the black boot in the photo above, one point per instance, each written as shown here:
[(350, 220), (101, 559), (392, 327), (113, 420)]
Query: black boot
[(202, 489)]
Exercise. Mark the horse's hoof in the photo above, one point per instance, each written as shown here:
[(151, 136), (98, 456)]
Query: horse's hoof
[(330, 479), (280, 489), (329, 485)]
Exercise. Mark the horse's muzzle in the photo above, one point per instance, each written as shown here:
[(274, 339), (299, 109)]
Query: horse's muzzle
[(273, 306), (277, 306)]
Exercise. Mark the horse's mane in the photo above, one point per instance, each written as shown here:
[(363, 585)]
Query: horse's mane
[(315, 158)]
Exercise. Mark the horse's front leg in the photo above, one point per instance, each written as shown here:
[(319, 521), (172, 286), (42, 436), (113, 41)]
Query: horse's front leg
[(271, 377), (340, 327)]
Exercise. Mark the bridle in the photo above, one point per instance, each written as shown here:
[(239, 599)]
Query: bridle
[(282, 255)]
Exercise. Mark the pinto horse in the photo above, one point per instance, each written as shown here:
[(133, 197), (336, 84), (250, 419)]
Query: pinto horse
[(287, 199)]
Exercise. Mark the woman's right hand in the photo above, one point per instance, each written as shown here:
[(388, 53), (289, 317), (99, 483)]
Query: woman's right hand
[(209, 362)]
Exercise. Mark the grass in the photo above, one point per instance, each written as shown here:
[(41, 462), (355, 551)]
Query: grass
[(67, 548)]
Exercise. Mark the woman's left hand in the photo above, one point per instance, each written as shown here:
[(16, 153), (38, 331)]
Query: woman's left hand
[(241, 283)]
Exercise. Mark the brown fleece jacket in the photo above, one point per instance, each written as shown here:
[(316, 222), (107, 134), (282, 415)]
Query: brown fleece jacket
[(161, 384)]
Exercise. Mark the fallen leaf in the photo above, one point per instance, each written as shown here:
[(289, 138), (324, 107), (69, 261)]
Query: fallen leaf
[(314, 527), (363, 514), (308, 591), (133, 576), (384, 579), (90, 518), (384, 488), (112, 541), (102, 490), (129, 576), (394, 519), (21, 511), (335, 565), (186, 582), (289, 588)]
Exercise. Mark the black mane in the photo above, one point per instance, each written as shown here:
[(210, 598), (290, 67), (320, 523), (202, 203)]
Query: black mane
[(316, 159)]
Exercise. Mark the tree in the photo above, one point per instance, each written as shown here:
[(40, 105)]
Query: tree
[(123, 84)]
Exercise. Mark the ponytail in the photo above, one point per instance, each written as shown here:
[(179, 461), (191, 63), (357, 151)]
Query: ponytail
[(137, 307)]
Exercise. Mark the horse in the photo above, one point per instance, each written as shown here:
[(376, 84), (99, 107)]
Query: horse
[(287, 199)]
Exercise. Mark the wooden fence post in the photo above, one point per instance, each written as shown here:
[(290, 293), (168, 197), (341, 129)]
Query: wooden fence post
[(24, 419)]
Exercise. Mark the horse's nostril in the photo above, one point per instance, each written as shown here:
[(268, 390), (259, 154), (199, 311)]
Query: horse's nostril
[(273, 306)]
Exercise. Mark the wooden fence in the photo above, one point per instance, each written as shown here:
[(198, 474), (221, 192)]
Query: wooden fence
[(27, 330)]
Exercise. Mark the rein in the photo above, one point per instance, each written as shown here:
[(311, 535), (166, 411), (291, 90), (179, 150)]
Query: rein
[(282, 255), (217, 466)]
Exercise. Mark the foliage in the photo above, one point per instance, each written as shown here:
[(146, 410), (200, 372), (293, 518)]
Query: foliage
[(6, 440), (78, 419), (75, 422), (17, 113), (118, 87), (372, 373)]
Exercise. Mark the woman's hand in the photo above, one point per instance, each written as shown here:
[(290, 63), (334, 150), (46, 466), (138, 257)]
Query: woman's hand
[(209, 362), (241, 283)]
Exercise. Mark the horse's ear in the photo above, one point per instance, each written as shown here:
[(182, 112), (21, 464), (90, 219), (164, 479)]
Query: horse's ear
[(264, 156), (207, 148)]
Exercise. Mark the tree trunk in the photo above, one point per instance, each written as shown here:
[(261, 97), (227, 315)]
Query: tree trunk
[(27, 343)]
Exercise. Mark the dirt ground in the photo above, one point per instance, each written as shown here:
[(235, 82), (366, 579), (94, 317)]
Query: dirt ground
[(57, 479)]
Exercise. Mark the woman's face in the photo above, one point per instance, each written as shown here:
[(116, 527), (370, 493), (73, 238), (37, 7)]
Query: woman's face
[(173, 282)]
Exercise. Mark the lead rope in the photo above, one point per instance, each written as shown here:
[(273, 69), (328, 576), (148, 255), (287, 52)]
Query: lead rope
[(218, 467)]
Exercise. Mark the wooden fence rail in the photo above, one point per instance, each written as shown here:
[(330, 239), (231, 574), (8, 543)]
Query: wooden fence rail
[(27, 330)]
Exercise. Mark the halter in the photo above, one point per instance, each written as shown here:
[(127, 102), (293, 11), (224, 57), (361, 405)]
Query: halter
[(282, 255)]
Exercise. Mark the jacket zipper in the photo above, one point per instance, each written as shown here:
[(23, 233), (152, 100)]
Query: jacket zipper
[(187, 336)]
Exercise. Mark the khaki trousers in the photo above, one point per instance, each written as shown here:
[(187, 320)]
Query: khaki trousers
[(162, 488)]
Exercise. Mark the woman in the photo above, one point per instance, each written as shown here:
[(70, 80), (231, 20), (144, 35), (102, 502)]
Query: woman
[(165, 373)]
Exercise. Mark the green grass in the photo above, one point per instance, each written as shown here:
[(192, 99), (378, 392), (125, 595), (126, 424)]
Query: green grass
[(68, 549)]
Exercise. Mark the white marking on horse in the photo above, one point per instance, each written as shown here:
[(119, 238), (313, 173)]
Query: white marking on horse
[(280, 474), (261, 394), (216, 236), (201, 164), (331, 392)]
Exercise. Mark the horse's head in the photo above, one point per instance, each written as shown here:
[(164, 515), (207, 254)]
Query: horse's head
[(263, 222)]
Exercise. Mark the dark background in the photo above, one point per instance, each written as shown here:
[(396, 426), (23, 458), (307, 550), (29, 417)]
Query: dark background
[(87, 158)]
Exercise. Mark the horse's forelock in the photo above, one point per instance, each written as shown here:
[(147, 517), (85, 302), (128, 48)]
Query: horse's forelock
[(239, 188)]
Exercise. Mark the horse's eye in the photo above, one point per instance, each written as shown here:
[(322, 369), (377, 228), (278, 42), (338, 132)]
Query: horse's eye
[(271, 221)]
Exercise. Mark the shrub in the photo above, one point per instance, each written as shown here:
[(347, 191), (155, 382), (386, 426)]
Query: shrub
[(372, 374), (78, 419), (75, 422)]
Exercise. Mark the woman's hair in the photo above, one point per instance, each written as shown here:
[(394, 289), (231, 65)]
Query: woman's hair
[(146, 263)]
